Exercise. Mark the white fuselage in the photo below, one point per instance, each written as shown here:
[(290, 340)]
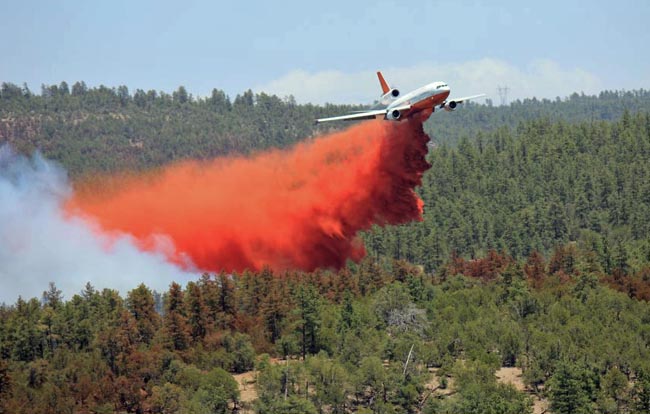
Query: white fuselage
[(427, 96)]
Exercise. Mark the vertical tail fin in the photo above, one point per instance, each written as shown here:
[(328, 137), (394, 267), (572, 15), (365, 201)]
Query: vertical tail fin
[(384, 86)]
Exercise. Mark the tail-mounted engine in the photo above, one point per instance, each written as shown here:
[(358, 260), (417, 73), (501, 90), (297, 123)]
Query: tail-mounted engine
[(389, 96)]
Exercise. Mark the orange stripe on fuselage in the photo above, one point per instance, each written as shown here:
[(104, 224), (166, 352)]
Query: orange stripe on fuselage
[(427, 103)]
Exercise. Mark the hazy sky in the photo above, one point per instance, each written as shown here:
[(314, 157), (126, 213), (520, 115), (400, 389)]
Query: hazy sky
[(329, 50)]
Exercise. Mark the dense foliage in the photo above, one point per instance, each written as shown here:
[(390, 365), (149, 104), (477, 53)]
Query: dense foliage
[(372, 338), (530, 188), (469, 121)]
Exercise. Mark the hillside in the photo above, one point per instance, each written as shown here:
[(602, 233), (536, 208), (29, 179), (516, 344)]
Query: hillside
[(104, 129), (382, 339), (607, 106), (533, 187), (109, 129)]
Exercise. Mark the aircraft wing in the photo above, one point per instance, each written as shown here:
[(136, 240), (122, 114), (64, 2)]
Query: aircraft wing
[(354, 117), (372, 114), (466, 98)]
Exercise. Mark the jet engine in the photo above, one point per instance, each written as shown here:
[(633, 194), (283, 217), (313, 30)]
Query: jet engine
[(393, 115), (450, 106), (389, 96)]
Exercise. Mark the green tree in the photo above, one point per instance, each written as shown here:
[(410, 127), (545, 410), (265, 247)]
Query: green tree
[(308, 312), (180, 95), (141, 305), (641, 393), (614, 391), (5, 386), (197, 312), (216, 390), (175, 319), (53, 297), (569, 390), (330, 381), (291, 405), (167, 399), (239, 347), (372, 380)]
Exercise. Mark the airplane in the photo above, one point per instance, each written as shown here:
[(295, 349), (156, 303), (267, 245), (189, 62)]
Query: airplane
[(393, 106)]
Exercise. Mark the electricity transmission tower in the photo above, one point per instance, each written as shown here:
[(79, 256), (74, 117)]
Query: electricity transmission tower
[(503, 94)]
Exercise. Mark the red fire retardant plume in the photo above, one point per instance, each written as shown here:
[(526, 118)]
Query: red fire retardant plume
[(299, 208)]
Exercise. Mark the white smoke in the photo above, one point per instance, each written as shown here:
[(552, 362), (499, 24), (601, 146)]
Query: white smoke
[(40, 244)]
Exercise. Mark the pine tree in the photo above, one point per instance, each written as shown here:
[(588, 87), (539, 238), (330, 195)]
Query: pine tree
[(308, 312), (197, 312), (568, 388), (141, 305), (175, 320)]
